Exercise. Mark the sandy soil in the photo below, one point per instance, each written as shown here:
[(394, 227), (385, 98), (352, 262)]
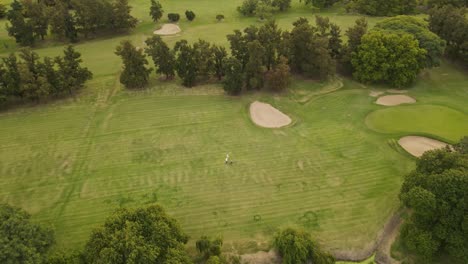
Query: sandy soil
[(390, 100), (168, 29), (416, 145), (375, 93), (266, 115)]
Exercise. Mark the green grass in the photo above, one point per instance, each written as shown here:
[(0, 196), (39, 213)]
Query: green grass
[(72, 162), (439, 121)]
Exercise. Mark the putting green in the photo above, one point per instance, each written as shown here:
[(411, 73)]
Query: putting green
[(440, 121)]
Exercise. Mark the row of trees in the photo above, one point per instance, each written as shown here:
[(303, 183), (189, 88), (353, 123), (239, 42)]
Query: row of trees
[(264, 9), (157, 11), (28, 78), (397, 7), (437, 194), (140, 235), (31, 20)]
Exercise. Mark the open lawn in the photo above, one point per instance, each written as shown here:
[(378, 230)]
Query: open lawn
[(72, 162)]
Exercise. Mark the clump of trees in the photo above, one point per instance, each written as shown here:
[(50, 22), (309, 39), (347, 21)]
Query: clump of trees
[(436, 192), (21, 240), (451, 24), (383, 8), (27, 78), (297, 247), (30, 21), (263, 9)]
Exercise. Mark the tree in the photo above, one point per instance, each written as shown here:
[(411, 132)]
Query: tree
[(33, 84), (282, 5), (436, 192), (11, 76), (269, 36), (219, 17), (156, 10), (383, 8), (52, 76), (135, 74), (238, 43), (37, 17), (297, 247), (173, 17), (462, 146), (233, 83), (220, 55), (22, 240), (392, 58), (264, 10), (62, 23), (204, 58), (190, 15), (72, 75), (122, 19), (320, 3), (418, 28), (94, 16), (163, 57), (141, 235), (2, 11), (278, 78), (440, 3), (186, 63), (208, 247), (19, 27), (248, 7), (354, 35), (254, 69), (451, 24)]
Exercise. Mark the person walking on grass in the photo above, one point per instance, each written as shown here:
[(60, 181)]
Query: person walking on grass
[(226, 161)]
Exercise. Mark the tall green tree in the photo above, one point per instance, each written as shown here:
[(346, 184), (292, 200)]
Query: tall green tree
[(233, 80), (186, 63), (11, 76), (219, 56), (21, 240), (156, 10), (436, 192), (269, 36), (297, 247), (320, 3), (388, 57), (354, 34), (278, 78), (254, 69), (3, 10), (238, 44), (248, 7), (208, 247), (37, 16), (19, 27), (134, 74), (418, 28), (204, 58), (72, 75), (163, 57), (33, 83), (384, 8), (282, 5), (141, 235), (122, 20)]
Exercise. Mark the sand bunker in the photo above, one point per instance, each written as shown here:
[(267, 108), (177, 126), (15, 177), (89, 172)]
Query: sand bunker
[(375, 93), (416, 145), (168, 29), (266, 115), (390, 100)]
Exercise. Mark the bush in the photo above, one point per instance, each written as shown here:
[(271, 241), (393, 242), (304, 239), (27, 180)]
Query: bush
[(173, 17), (219, 17), (190, 15)]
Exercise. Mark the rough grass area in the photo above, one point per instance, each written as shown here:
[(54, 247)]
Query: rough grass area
[(72, 162)]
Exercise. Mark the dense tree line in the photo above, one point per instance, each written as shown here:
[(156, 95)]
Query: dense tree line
[(451, 24), (27, 78), (437, 194), (263, 9), (383, 8), (30, 20)]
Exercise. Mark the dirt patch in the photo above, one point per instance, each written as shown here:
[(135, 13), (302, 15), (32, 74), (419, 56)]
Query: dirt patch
[(262, 257), (375, 93), (396, 91), (266, 115), (416, 145), (168, 29), (391, 100)]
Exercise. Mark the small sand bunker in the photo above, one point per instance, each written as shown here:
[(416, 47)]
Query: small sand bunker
[(390, 100), (168, 29), (266, 115), (375, 93), (416, 145)]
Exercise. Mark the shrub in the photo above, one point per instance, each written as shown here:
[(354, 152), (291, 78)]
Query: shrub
[(190, 15), (173, 17), (219, 17)]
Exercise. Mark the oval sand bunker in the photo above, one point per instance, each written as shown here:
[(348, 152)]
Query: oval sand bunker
[(416, 145), (266, 115), (168, 29), (390, 100)]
